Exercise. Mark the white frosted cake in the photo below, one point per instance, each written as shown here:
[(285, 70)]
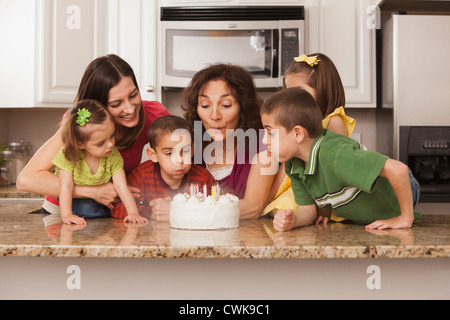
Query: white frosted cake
[(193, 212)]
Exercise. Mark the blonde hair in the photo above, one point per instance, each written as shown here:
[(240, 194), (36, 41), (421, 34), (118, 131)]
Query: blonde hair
[(324, 79), (73, 134)]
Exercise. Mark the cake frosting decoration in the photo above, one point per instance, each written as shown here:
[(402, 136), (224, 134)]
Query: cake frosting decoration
[(201, 211)]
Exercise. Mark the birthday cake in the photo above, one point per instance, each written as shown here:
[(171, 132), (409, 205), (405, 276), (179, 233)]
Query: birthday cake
[(200, 211)]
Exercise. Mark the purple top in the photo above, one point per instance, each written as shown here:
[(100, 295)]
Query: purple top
[(236, 182)]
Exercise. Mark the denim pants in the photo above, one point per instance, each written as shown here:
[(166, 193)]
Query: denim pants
[(415, 188), (89, 209)]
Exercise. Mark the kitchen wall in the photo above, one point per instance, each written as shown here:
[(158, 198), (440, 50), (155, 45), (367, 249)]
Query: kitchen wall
[(38, 125), (32, 125)]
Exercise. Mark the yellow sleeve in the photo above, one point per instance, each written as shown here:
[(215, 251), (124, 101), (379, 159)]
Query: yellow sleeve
[(61, 162), (116, 161), (349, 122)]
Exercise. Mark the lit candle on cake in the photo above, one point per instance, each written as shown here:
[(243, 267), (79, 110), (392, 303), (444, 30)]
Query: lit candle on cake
[(218, 190), (192, 189), (213, 192), (205, 192)]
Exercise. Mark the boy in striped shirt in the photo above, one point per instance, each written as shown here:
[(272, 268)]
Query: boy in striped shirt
[(332, 171), (169, 170)]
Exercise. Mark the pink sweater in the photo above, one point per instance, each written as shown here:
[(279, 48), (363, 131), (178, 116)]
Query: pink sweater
[(132, 156)]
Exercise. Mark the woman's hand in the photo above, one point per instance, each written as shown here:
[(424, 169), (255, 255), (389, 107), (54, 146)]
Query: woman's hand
[(105, 194), (136, 192)]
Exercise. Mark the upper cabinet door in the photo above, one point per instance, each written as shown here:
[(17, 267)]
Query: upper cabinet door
[(132, 36), (345, 31), (71, 36)]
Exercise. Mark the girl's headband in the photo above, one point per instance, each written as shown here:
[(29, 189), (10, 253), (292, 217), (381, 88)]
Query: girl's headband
[(83, 117), (312, 61)]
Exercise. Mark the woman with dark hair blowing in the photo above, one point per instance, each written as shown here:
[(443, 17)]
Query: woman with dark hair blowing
[(222, 101)]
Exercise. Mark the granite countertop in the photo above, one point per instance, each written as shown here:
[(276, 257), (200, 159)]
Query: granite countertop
[(26, 232), (11, 192)]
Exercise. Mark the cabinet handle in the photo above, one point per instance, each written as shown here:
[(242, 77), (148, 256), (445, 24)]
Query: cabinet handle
[(150, 89)]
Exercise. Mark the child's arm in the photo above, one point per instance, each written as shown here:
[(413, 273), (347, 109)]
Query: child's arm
[(65, 199), (285, 220), (120, 184), (336, 124), (397, 174)]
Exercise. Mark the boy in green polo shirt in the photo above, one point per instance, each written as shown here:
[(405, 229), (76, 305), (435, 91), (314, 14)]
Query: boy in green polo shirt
[(334, 172)]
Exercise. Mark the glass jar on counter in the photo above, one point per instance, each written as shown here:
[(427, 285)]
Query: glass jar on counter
[(5, 177), (10, 166), (18, 158)]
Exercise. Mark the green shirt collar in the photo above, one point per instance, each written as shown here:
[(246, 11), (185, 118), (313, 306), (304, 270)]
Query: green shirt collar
[(298, 166)]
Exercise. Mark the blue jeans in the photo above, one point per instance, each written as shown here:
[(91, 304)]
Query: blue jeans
[(415, 188), (89, 209)]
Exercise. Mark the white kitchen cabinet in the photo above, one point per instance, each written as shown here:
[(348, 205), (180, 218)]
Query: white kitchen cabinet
[(132, 35), (71, 34), (47, 45), (17, 43), (344, 30), (227, 2)]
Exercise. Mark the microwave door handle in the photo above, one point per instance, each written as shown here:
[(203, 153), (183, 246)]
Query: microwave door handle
[(275, 52)]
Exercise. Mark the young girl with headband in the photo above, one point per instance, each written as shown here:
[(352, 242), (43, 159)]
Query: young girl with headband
[(89, 157), (318, 75)]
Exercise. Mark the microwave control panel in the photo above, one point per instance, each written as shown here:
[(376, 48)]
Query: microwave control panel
[(289, 48)]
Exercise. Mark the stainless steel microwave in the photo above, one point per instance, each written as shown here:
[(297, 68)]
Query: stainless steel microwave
[(263, 40)]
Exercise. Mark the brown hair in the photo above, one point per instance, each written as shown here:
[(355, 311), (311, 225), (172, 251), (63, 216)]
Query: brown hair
[(292, 107), (99, 77), (241, 84), (324, 79), (164, 125), (73, 135)]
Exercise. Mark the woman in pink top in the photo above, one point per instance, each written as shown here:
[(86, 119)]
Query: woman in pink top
[(222, 104), (111, 81)]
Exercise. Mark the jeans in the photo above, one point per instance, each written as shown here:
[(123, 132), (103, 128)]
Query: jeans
[(415, 188), (89, 209)]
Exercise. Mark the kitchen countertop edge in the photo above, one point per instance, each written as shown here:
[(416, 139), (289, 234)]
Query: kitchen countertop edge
[(263, 252)]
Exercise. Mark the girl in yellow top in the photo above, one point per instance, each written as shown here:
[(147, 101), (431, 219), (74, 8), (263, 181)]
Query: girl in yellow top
[(317, 74), (89, 157)]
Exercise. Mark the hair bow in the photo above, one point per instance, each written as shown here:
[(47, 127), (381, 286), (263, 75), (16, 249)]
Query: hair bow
[(83, 117), (312, 61)]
